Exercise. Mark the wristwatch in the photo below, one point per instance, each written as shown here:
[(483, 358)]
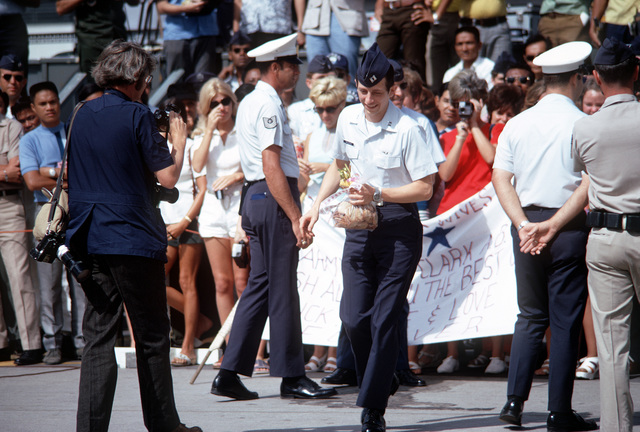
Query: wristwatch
[(52, 172), (436, 18), (377, 196)]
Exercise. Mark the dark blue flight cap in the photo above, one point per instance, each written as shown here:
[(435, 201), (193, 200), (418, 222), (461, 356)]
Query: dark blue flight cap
[(339, 61), (320, 64), (374, 67), (398, 73), (11, 62), (240, 38), (612, 52)]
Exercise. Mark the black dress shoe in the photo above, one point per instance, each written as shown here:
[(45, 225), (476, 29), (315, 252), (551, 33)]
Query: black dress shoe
[(408, 378), (570, 421), (29, 357), (373, 420), (341, 376), (304, 388), (512, 411), (228, 384)]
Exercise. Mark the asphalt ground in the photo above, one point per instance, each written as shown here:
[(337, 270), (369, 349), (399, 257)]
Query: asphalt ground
[(43, 398)]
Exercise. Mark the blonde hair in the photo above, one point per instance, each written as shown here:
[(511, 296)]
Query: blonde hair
[(329, 90), (210, 90)]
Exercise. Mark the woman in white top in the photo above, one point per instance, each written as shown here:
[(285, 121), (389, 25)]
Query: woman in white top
[(185, 245), (329, 96), (216, 149)]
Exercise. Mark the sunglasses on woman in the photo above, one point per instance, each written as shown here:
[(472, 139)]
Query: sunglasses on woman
[(329, 110), (226, 101), (523, 80)]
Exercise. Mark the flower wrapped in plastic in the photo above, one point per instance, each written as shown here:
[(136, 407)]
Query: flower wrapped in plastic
[(347, 215)]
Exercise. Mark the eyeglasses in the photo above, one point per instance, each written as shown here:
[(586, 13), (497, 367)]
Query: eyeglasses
[(403, 85), (329, 110), (148, 80), (239, 50), (226, 101), (523, 80), (18, 78)]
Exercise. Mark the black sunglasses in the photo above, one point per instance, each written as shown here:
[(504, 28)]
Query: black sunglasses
[(523, 80), (226, 101), (239, 50), (530, 58), (403, 85), (329, 110), (7, 77)]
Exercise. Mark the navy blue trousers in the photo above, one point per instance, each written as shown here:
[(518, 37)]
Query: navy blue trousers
[(552, 291), (377, 269), (271, 290)]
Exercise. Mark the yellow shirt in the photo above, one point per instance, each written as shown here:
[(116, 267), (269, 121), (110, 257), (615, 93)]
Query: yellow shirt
[(483, 9), (454, 6), (621, 12)]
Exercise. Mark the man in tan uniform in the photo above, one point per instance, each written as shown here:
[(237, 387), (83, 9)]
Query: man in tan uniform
[(14, 247), (606, 145)]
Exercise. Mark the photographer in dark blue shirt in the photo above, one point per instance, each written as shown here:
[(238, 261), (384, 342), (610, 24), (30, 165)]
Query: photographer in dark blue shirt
[(116, 154)]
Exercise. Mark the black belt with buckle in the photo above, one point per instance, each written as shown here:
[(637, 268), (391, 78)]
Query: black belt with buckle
[(8, 192), (603, 219), (486, 22)]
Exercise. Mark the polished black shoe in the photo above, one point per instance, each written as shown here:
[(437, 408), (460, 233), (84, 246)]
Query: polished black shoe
[(571, 421), (29, 357), (373, 420), (228, 384), (512, 412), (304, 388), (341, 376), (408, 378)]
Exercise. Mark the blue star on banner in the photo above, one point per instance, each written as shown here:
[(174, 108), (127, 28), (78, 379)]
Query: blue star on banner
[(438, 236)]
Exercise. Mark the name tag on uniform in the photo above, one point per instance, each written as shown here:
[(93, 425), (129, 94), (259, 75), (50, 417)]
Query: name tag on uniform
[(347, 142)]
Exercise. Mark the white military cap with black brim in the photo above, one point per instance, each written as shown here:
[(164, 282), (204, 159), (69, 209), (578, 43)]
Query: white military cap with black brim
[(374, 67), (283, 48), (567, 57)]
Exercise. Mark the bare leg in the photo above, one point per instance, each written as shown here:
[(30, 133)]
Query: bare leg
[(189, 263)]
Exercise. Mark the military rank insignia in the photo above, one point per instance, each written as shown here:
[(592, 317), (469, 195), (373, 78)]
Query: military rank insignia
[(270, 122)]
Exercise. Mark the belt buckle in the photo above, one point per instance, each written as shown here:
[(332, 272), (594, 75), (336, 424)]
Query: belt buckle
[(624, 222)]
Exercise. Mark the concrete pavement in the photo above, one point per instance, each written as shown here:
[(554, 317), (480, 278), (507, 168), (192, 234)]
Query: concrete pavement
[(43, 398)]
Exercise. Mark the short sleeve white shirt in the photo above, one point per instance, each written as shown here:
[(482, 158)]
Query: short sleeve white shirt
[(482, 67), (387, 154), (303, 118), (535, 146), (260, 123)]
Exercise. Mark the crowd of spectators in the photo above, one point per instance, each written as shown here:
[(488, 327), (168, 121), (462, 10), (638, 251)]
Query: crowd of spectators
[(449, 54)]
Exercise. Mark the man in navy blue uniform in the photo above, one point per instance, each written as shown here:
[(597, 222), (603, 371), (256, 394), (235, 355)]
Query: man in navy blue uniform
[(270, 216), (376, 138), (115, 156)]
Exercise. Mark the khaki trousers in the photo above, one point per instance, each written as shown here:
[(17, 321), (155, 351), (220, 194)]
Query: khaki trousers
[(613, 259)]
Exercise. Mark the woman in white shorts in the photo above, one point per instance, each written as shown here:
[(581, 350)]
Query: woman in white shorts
[(216, 150)]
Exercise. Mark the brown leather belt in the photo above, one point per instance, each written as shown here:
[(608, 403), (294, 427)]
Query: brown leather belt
[(486, 22)]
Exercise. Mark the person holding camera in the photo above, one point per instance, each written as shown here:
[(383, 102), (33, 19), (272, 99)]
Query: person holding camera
[(216, 152), (116, 157)]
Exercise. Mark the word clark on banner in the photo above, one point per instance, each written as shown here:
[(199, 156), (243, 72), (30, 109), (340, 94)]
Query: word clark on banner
[(464, 286)]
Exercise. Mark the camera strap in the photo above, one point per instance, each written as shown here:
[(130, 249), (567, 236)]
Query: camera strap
[(56, 193)]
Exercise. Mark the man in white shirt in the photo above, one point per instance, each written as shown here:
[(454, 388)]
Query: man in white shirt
[(468, 47)]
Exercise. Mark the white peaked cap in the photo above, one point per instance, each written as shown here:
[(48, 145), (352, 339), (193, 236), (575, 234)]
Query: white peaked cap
[(563, 58)]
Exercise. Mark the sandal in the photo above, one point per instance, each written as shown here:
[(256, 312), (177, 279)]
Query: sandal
[(544, 369), (479, 362), (415, 368), (331, 365), (183, 360), (261, 366), (588, 368), (315, 364), (429, 360)]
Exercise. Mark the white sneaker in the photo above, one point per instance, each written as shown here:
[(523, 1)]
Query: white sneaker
[(449, 365), (588, 368), (496, 366)]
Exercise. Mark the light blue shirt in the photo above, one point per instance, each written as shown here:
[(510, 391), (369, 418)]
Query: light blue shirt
[(185, 27), (39, 148)]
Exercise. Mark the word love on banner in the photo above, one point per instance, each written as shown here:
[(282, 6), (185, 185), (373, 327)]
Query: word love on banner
[(464, 286)]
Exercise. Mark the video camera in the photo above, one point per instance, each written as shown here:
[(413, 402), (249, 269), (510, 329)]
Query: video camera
[(52, 246), (465, 110)]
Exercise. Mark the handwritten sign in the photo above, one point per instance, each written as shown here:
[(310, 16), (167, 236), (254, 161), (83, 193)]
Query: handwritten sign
[(464, 286)]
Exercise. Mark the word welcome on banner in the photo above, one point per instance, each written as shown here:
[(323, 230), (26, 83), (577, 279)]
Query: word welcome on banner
[(464, 286)]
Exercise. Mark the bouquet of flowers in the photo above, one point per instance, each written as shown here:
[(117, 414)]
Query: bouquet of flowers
[(347, 215)]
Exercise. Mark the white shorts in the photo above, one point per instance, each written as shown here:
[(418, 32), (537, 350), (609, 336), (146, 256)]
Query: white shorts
[(219, 217)]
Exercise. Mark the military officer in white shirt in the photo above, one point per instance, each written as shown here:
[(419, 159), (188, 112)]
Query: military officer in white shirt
[(388, 148), (270, 217), (534, 151)]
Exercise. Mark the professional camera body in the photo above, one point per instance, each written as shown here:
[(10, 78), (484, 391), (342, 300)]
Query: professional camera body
[(161, 117), (465, 110), (52, 246)]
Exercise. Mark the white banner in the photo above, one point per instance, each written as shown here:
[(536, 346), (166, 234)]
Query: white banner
[(464, 286)]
